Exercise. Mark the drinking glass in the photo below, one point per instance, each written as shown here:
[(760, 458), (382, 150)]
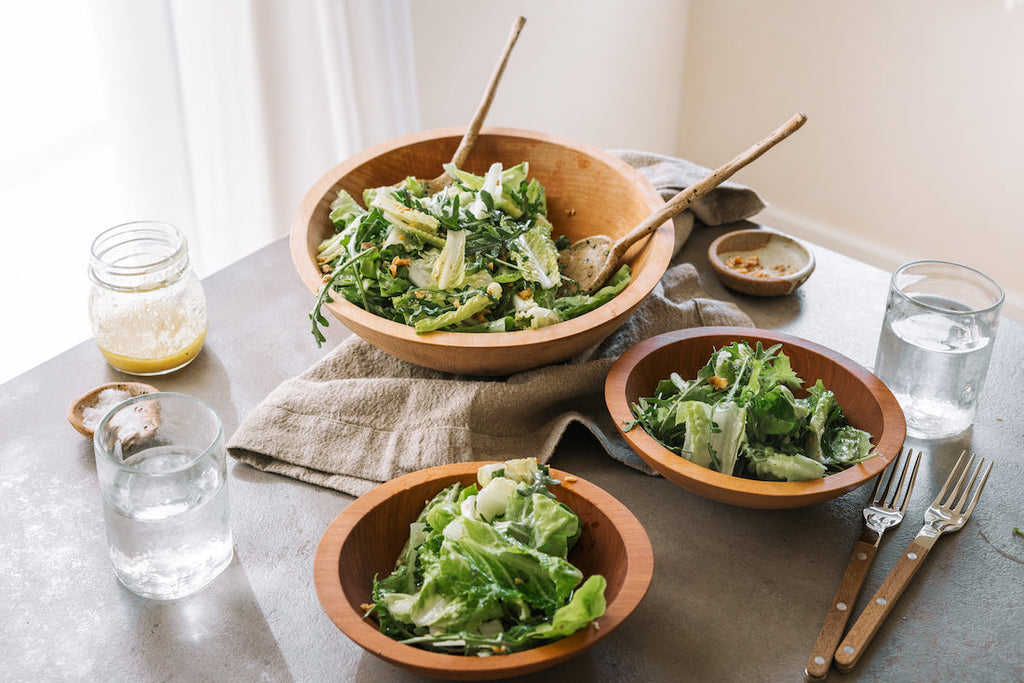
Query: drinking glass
[(937, 338), (160, 459)]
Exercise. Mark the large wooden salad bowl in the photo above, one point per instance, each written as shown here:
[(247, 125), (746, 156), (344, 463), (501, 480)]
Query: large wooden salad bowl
[(588, 191), (367, 537), (866, 401)]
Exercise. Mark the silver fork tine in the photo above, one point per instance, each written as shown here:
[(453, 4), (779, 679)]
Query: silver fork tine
[(878, 483), (981, 487), (949, 480), (891, 502), (966, 490), (881, 514), (913, 478), (884, 498), (939, 519)]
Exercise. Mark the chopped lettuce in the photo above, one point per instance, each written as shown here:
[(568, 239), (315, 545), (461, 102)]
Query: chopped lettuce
[(485, 568), (428, 261), (739, 416)]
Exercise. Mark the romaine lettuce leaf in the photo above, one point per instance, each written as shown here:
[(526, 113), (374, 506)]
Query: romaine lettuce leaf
[(577, 304), (780, 437), (450, 268), (466, 583), (767, 463), (536, 257), (470, 308)]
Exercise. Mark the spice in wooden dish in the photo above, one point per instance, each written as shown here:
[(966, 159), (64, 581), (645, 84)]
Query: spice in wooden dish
[(750, 264)]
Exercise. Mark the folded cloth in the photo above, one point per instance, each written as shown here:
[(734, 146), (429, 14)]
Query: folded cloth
[(360, 417)]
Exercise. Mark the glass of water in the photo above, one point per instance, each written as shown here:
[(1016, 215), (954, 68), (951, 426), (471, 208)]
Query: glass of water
[(160, 459), (937, 338)]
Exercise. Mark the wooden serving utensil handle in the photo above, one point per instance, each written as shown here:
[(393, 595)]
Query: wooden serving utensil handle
[(869, 621), (473, 131), (686, 197), (820, 660)]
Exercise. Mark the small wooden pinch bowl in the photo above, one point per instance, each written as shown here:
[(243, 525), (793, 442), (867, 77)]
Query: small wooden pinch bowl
[(589, 192), (785, 263), (76, 411), (865, 400), (368, 535)]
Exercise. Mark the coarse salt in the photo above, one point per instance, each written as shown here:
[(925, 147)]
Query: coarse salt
[(107, 399)]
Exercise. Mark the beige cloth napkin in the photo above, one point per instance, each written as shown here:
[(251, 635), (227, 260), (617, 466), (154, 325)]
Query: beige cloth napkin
[(360, 417)]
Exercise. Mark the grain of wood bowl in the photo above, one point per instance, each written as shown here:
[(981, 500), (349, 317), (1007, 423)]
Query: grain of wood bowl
[(760, 262), (588, 192), (865, 400), (367, 537)]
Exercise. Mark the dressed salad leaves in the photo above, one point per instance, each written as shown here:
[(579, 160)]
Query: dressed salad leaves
[(478, 256), (485, 572), (739, 417)]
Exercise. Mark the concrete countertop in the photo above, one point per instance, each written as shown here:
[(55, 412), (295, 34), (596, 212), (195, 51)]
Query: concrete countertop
[(737, 594)]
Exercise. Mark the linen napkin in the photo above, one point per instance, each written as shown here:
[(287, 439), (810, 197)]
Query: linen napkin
[(360, 417)]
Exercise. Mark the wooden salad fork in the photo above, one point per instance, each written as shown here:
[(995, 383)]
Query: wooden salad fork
[(884, 512), (437, 184), (940, 517)]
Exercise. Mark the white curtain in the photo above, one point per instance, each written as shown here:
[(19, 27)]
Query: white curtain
[(272, 94), (214, 116)]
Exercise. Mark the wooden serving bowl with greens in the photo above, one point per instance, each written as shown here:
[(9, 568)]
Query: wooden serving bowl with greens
[(806, 452), (587, 192), (367, 538)]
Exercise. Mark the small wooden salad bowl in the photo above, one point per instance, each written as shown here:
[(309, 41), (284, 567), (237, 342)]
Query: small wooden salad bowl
[(865, 400), (367, 537), (588, 191)]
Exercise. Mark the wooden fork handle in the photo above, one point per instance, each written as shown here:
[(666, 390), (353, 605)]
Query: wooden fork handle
[(839, 613), (882, 603), (686, 197), (469, 138)]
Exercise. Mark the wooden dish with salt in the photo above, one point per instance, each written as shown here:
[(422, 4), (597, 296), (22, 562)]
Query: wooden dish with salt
[(86, 411)]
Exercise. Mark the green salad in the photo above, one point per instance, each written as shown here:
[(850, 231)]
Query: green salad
[(739, 417), (478, 256), (485, 572)]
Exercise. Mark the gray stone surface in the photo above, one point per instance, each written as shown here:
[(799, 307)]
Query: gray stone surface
[(737, 594)]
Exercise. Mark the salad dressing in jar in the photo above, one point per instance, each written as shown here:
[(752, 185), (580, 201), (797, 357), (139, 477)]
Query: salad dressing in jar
[(147, 307)]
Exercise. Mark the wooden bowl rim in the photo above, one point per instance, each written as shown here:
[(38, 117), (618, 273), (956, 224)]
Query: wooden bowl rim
[(639, 557), (641, 285), (725, 272), (754, 493)]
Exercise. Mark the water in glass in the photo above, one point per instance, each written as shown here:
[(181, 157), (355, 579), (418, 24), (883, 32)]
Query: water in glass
[(934, 363), (170, 534)]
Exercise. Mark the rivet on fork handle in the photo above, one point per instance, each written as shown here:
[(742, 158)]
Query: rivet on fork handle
[(941, 517), (883, 512), (870, 620)]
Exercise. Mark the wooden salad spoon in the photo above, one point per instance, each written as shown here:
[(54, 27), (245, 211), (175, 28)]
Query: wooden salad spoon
[(592, 260), (469, 138)]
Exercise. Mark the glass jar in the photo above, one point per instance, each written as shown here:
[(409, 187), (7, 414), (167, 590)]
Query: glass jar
[(147, 307)]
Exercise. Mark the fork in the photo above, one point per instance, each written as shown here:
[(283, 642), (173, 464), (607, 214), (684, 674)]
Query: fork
[(940, 518), (883, 512)]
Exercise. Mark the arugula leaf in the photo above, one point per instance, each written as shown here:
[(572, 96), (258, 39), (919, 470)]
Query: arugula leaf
[(740, 416), (466, 584), (448, 250)]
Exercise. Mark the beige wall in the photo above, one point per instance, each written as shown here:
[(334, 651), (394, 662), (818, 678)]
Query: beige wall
[(914, 146), (605, 72)]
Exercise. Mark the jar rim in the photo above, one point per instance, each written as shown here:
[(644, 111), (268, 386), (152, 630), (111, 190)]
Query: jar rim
[(115, 253)]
